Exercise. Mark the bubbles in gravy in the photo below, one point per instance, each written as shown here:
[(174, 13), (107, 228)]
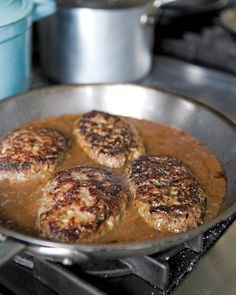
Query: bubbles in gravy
[(19, 202)]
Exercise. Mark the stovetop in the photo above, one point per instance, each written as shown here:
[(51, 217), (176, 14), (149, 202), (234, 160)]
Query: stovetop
[(153, 275)]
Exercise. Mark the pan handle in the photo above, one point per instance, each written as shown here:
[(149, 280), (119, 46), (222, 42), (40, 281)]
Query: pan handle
[(9, 248)]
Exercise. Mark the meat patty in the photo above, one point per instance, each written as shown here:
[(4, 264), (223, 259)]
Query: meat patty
[(81, 204), (166, 194), (30, 152), (108, 139)]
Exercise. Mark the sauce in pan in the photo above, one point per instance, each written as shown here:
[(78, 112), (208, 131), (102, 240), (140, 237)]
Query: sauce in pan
[(19, 202)]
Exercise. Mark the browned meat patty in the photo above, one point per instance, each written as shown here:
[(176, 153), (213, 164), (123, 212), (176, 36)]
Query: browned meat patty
[(30, 152), (81, 204), (108, 139), (166, 194)]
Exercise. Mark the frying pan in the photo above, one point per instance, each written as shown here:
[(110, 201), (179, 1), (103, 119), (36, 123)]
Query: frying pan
[(211, 128)]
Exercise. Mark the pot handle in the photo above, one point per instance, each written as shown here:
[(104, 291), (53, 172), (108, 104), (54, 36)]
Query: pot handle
[(43, 8), (150, 17), (9, 248)]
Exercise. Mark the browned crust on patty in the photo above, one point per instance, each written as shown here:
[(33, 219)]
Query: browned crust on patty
[(166, 194), (81, 204), (108, 139), (30, 152)]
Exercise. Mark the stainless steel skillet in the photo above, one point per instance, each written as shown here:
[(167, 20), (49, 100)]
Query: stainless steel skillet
[(212, 129)]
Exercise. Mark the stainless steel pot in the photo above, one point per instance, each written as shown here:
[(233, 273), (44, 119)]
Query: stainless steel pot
[(99, 41), (211, 128)]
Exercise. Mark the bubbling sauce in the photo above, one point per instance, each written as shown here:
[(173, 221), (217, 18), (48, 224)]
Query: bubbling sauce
[(19, 202)]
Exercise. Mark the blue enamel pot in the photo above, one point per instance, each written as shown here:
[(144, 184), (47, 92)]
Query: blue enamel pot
[(16, 17)]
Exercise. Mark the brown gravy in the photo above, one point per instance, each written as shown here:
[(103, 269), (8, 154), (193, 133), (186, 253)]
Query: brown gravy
[(19, 202)]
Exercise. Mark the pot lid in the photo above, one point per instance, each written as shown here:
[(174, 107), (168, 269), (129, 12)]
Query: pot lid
[(101, 3), (12, 11)]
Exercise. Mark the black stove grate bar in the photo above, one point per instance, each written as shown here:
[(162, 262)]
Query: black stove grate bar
[(18, 280), (152, 271), (195, 244), (60, 280), (24, 260), (156, 270)]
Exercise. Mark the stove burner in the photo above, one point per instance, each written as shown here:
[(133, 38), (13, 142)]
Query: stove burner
[(199, 38), (214, 47)]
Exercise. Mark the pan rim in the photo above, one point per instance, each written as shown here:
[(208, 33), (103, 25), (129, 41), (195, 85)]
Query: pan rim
[(167, 241)]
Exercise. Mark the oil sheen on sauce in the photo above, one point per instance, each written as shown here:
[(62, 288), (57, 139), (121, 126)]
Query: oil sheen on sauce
[(19, 202)]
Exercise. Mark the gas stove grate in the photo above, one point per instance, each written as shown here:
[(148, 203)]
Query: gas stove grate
[(157, 274)]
